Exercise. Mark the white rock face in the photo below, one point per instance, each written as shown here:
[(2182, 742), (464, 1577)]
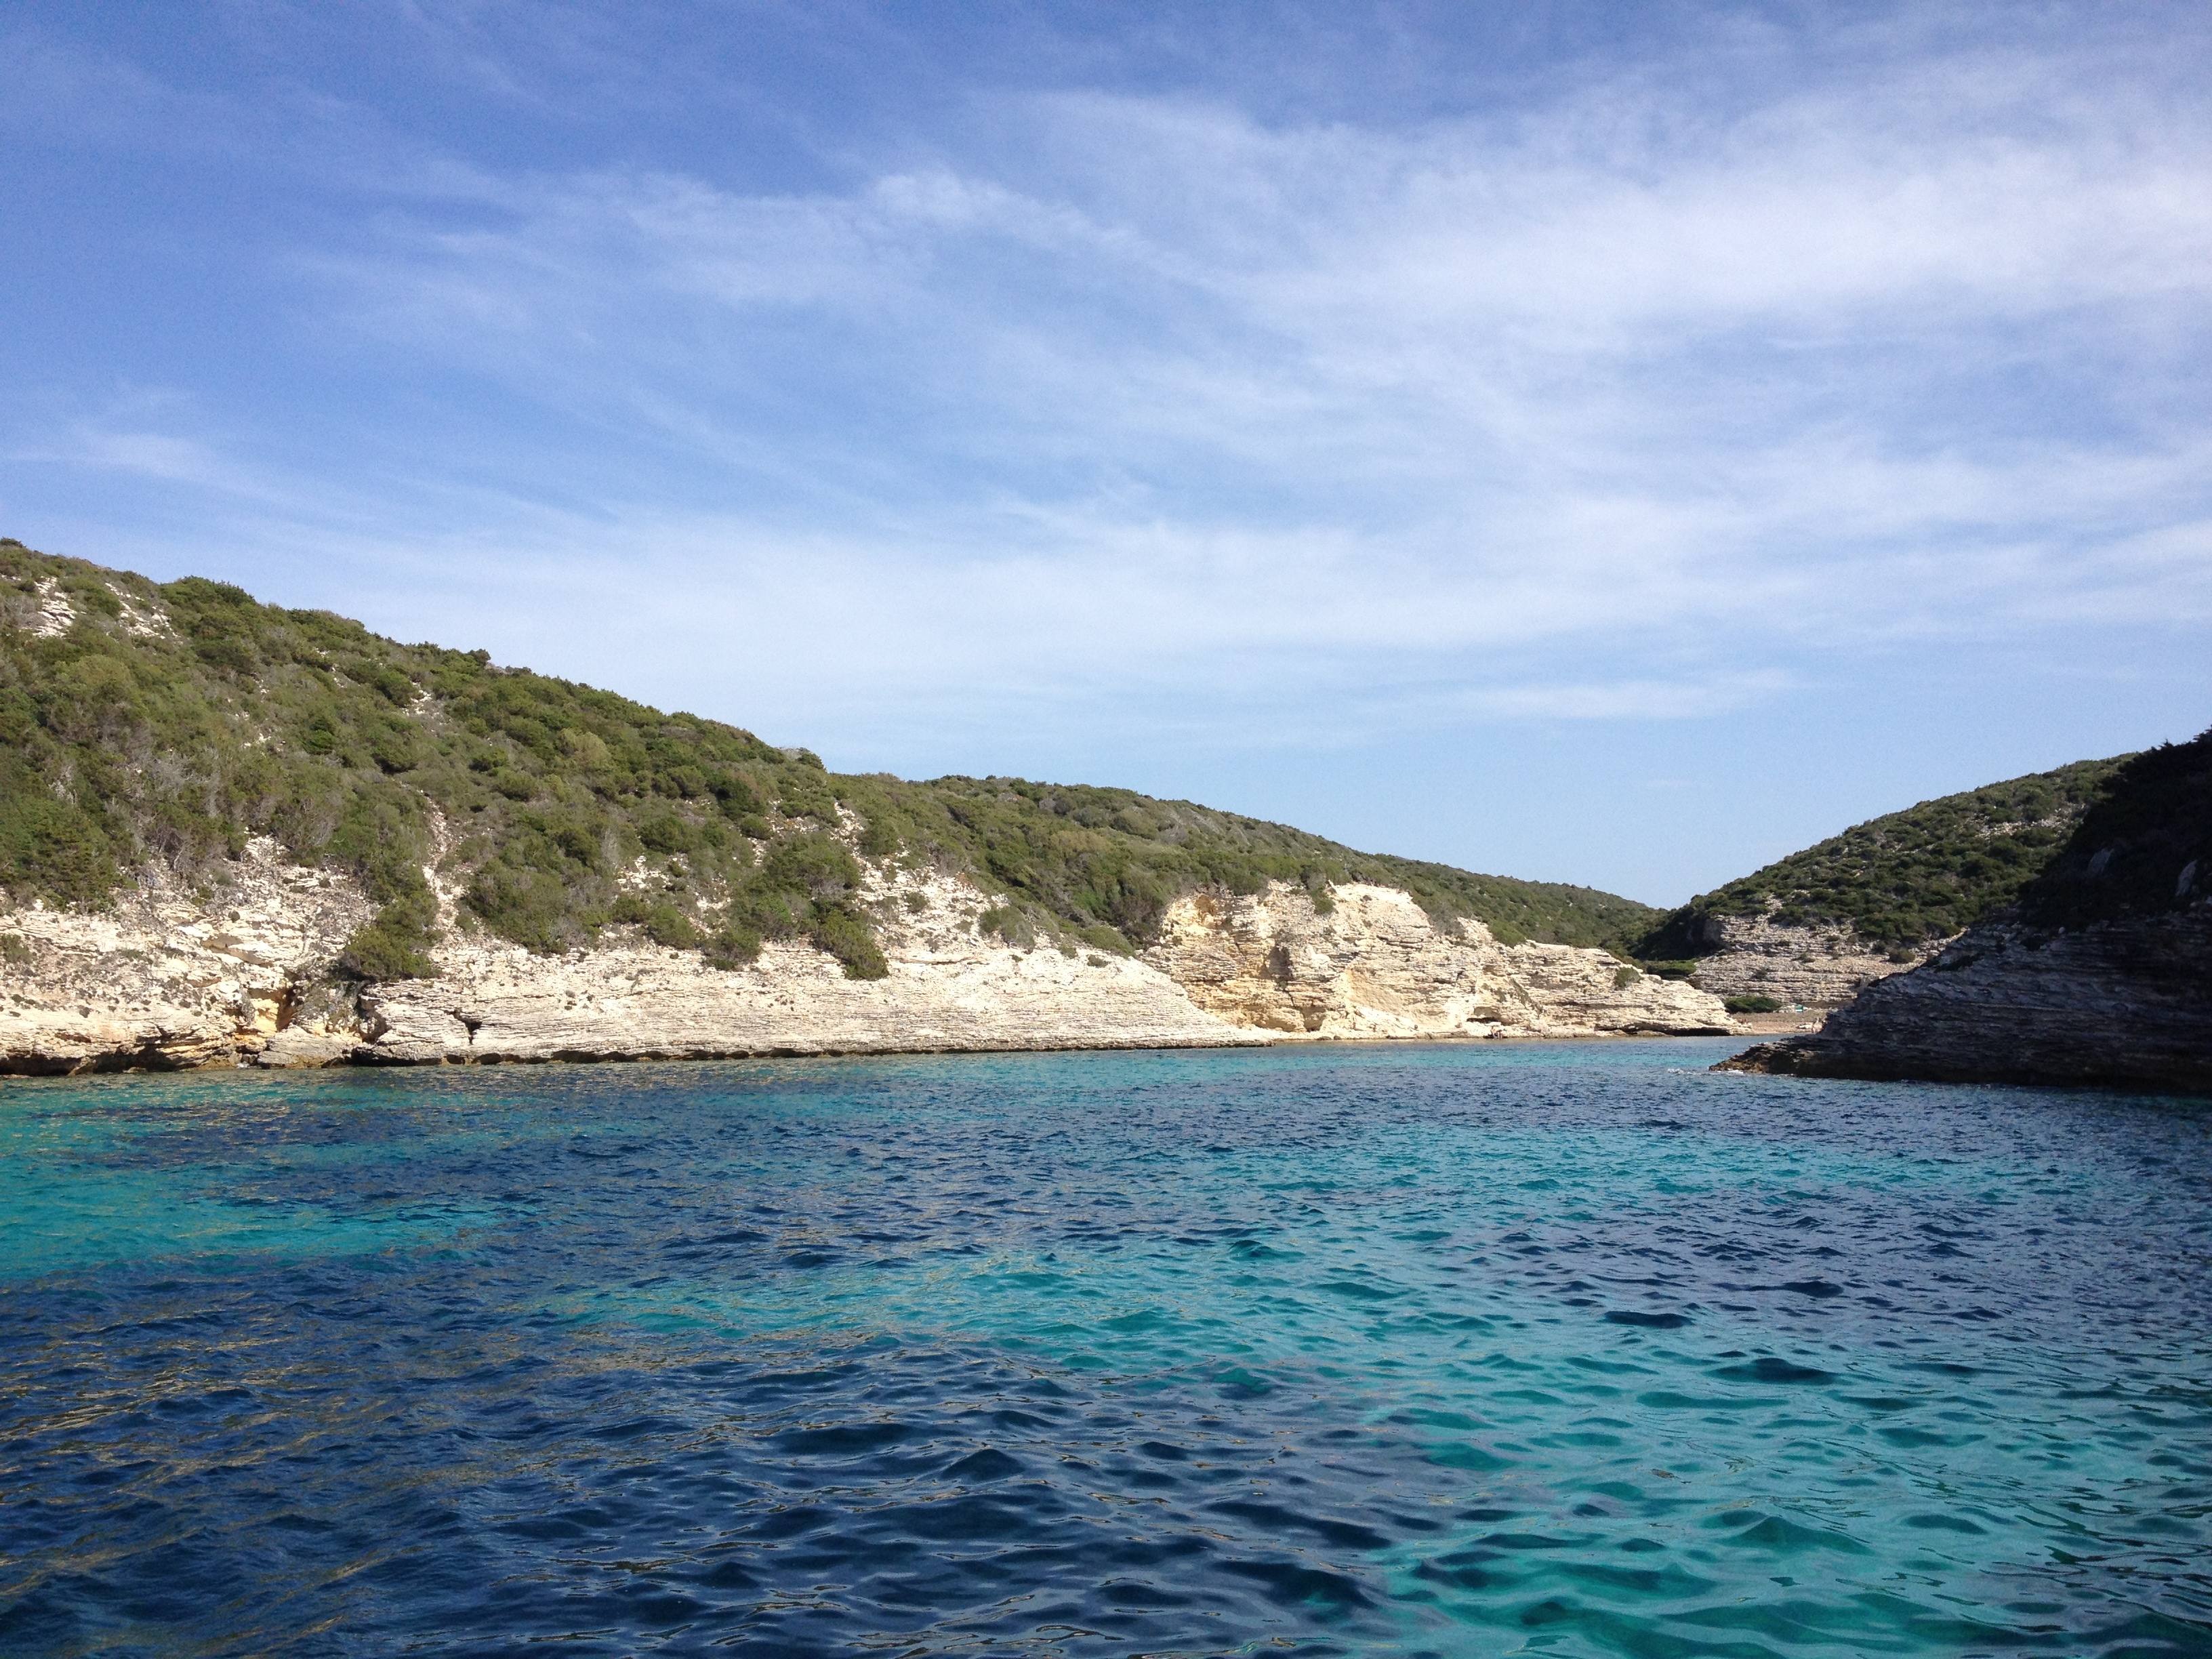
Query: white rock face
[(1816, 967), (948, 989), (1376, 966), (171, 978), (55, 613)]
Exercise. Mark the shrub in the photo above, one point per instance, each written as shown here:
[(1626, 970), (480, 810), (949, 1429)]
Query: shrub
[(733, 947), (879, 836), (377, 950), (1107, 939), (525, 905), (1625, 976), (845, 936), (663, 922), (806, 794), (1751, 1004), (52, 849), (814, 864), (668, 832), (397, 943)]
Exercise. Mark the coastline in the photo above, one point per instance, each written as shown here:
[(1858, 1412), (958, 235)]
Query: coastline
[(24, 1075), (175, 979)]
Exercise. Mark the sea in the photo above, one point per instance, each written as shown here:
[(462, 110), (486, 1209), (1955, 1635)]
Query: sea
[(1570, 1349)]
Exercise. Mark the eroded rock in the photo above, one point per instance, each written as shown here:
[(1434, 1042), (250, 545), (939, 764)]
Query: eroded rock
[(2124, 1004), (1376, 965), (1812, 966)]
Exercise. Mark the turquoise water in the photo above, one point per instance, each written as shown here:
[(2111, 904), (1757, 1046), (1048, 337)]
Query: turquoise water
[(1571, 1349)]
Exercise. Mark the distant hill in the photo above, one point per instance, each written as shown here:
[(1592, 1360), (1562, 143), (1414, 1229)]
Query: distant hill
[(1927, 873), (141, 720)]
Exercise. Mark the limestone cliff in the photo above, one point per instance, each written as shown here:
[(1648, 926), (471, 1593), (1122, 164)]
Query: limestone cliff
[(951, 986), (237, 971), (1814, 967), (174, 974), (1375, 965)]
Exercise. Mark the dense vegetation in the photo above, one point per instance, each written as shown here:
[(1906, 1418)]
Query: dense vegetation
[(173, 721), (1927, 873), (2143, 846)]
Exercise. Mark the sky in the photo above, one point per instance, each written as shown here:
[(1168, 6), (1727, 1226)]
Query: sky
[(1617, 445)]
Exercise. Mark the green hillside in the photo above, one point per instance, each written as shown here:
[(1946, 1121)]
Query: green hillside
[(1926, 872), (171, 721), (2143, 846)]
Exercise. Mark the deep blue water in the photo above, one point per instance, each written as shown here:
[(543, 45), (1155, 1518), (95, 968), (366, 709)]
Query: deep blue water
[(1575, 1349)]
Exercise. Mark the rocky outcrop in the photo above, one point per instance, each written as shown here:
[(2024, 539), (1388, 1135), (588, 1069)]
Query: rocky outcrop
[(1375, 965), (1809, 967), (54, 1043), (950, 987), (2100, 973), (237, 971), (177, 973), (2119, 1003)]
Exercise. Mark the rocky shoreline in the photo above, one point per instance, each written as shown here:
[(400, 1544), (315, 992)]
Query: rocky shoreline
[(2123, 1004), (238, 971)]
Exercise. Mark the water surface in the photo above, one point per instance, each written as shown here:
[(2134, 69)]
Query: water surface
[(1572, 1348)]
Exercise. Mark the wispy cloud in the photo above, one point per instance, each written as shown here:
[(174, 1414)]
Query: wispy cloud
[(1638, 399), (1868, 360)]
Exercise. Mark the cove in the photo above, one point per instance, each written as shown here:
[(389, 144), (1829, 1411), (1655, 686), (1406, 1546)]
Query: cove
[(1427, 1349)]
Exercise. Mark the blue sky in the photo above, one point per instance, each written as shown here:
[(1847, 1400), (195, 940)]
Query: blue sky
[(1608, 444)]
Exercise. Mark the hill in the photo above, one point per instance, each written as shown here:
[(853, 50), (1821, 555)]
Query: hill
[(175, 720), (2100, 973), (1904, 879)]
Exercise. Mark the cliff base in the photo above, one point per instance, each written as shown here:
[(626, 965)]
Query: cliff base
[(2121, 1004)]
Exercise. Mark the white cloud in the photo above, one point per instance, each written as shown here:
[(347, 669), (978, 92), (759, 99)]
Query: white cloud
[(1113, 397)]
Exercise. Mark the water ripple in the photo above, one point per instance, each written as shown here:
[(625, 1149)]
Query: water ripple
[(1381, 1351)]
